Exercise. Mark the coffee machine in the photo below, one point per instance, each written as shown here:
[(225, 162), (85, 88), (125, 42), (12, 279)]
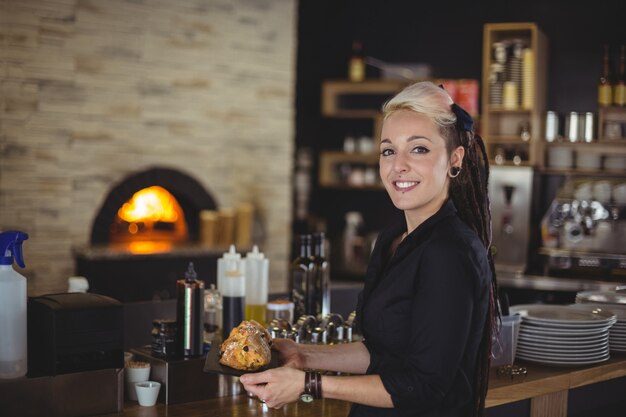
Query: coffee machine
[(584, 230)]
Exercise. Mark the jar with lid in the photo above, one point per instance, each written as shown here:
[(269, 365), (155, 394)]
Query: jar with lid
[(280, 309), (164, 338)]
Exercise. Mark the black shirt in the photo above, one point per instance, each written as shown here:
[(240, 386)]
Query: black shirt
[(422, 313)]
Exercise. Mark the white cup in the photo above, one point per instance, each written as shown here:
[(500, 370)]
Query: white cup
[(147, 392), (132, 376)]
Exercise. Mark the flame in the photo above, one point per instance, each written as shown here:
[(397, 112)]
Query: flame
[(152, 204)]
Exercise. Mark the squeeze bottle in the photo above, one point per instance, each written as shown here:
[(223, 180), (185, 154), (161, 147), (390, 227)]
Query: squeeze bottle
[(13, 349), (231, 282), (257, 271)]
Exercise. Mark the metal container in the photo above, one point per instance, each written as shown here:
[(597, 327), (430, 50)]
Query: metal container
[(552, 126), (572, 126), (589, 126)]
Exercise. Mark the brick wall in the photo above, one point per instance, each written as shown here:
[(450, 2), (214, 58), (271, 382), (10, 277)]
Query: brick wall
[(92, 91)]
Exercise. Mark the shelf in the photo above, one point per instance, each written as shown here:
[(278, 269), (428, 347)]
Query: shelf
[(355, 176), (345, 99), (502, 110), (508, 139), (612, 148)]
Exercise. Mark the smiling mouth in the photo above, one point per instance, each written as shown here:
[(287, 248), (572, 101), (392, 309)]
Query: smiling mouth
[(405, 185)]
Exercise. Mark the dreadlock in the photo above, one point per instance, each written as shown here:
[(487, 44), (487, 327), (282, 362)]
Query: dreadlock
[(469, 193)]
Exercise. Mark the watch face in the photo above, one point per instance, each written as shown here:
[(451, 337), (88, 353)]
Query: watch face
[(307, 398)]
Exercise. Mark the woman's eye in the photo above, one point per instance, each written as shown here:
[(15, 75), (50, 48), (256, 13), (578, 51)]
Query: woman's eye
[(386, 152), (420, 149)]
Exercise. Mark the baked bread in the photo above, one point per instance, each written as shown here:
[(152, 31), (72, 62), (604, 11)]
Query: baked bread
[(247, 348)]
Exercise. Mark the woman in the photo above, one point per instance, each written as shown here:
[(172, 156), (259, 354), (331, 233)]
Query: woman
[(427, 308)]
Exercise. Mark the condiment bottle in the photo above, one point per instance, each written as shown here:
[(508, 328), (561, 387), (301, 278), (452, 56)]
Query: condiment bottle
[(13, 351), (231, 283), (301, 275), (356, 67), (619, 90), (189, 312), (257, 274), (321, 272), (605, 96)]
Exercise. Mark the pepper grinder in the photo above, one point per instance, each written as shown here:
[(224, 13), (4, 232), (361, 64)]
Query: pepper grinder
[(189, 312)]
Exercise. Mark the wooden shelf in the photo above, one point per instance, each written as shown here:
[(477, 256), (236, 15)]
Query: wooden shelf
[(499, 125), (329, 172), (345, 99)]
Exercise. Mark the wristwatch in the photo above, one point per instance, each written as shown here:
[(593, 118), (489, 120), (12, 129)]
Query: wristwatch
[(307, 396)]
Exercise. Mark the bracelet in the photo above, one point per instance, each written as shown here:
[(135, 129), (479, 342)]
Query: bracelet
[(312, 387)]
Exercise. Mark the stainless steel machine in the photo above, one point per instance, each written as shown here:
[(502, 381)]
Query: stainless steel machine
[(510, 192), (584, 230)]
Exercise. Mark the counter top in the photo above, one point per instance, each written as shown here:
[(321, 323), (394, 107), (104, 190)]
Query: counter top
[(540, 382)]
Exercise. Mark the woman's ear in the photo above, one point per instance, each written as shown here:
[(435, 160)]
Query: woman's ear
[(456, 159)]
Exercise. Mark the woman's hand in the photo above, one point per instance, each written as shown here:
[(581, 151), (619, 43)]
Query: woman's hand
[(277, 387), (290, 353)]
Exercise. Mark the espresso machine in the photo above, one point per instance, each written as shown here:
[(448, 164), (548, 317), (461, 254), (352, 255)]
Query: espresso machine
[(584, 230)]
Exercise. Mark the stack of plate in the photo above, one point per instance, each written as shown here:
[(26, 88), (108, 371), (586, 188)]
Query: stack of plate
[(614, 302), (563, 335)]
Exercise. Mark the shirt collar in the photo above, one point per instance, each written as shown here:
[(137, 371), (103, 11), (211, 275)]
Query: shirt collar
[(447, 209)]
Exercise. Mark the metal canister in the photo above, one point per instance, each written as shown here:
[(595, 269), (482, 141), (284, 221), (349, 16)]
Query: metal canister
[(552, 126), (571, 126), (588, 129)]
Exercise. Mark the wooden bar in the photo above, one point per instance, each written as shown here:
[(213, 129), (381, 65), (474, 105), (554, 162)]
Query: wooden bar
[(546, 387)]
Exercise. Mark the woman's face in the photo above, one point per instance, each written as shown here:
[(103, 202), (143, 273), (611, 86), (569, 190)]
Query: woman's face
[(414, 165)]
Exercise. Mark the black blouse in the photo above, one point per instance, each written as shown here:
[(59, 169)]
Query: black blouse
[(422, 313)]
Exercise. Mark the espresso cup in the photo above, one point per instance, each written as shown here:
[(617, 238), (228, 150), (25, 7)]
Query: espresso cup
[(147, 392)]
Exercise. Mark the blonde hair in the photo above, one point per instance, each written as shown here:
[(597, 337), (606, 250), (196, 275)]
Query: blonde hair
[(425, 98)]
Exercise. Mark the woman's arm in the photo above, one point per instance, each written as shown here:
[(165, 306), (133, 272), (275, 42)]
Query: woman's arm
[(352, 358), (284, 385)]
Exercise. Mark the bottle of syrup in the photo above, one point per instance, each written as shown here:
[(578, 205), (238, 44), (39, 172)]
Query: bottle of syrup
[(301, 277), (356, 67), (619, 90), (231, 282), (189, 313), (605, 93)]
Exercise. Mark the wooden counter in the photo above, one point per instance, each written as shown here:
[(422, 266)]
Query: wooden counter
[(546, 387)]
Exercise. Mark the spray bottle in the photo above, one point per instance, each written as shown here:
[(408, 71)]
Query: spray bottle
[(257, 271), (13, 351), (231, 282)]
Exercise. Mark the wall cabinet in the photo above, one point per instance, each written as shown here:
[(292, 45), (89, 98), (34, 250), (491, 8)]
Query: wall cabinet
[(514, 83)]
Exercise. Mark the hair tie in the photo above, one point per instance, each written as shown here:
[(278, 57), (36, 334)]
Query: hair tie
[(463, 119)]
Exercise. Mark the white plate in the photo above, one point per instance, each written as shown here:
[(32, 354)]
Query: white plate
[(561, 346), (533, 334), (560, 314), (618, 310), (564, 353), (566, 363), (549, 331), (543, 356), (571, 325)]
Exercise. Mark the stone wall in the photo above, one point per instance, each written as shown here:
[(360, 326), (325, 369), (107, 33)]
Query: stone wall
[(95, 90)]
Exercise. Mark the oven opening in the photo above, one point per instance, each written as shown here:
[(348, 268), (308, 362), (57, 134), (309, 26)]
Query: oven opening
[(152, 220)]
